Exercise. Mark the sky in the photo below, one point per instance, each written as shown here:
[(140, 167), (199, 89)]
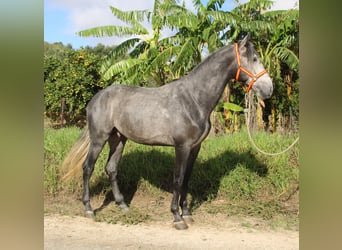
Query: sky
[(63, 18)]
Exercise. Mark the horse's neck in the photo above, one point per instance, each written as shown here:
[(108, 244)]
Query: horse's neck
[(207, 82)]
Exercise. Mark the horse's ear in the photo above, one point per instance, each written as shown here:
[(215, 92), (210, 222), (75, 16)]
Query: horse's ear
[(244, 41)]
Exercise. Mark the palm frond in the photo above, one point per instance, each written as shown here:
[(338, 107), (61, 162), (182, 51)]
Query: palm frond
[(130, 17), (214, 4), (107, 31), (171, 40), (212, 42), (253, 5), (182, 20), (109, 70), (228, 18), (258, 25), (282, 14), (162, 58), (138, 49), (173, 9), (135, 75), (182, 58), (124, 47), (274, 14), (198, 5), (287, 56), (156, 16)]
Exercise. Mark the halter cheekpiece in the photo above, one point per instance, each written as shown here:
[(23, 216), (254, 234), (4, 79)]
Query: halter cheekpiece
[(240, 68)]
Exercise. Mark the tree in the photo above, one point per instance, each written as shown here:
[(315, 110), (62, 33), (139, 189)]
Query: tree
[(275, 34), (280, 53), (153, 58), (147, 55), (148, 59), (197, 34), (73, 75)]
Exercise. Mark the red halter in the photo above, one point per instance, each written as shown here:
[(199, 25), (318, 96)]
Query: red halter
[(240, 68)]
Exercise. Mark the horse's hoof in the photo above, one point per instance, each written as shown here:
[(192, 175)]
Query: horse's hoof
[(124, 207), (180, 225), (188, 219), (89, 214)]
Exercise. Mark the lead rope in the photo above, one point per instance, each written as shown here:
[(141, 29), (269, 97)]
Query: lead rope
[(247, 115)]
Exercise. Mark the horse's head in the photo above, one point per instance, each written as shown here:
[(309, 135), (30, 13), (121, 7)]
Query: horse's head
[(251, 71)]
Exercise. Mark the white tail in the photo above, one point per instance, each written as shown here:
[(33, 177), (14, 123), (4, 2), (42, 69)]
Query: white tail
[(72, 164)]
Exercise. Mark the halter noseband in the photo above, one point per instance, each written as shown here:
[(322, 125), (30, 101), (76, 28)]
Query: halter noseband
[(240, 68)]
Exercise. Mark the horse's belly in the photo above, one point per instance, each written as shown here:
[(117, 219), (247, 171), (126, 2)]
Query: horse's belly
[(147, 131), (159, 140)]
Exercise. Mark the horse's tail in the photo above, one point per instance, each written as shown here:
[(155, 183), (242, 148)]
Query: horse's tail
[(72, 164)]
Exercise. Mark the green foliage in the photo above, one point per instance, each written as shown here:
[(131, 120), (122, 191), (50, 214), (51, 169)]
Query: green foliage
[(73, 75), (56, 145), (233, 107), (56, 49), (157, 60), (148, 59), (276, 36)]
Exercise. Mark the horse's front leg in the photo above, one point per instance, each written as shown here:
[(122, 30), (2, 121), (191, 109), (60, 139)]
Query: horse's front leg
[(182, 156), (183, 198)]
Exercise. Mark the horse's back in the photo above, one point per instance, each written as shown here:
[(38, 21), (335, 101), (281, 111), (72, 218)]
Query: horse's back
[(144, 115)]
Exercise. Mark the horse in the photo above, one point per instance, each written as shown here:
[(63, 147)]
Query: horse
[(176, 114)]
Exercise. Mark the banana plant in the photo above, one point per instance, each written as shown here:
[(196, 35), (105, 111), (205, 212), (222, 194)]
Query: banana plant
[(142, 49), (275, 35), (152, 57)]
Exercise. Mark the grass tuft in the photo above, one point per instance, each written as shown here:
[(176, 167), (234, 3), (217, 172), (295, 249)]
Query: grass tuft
[(114, 215)]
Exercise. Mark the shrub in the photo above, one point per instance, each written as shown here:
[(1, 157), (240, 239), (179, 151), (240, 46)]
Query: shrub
[(73, 75)]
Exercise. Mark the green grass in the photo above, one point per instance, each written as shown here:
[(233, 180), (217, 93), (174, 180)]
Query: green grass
[(228, 169), (56, 145)]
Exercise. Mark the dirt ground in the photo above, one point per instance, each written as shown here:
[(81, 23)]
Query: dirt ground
[(65, 227), (76, 232)]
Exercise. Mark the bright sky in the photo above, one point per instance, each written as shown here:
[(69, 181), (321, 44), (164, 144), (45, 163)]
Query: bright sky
[(63, 18)]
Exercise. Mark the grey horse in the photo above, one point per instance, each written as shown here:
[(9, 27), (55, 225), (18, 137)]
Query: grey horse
[(176, 114)]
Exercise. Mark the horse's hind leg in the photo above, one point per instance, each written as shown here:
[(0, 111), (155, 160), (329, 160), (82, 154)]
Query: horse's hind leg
[(116, 143), (88, 168)]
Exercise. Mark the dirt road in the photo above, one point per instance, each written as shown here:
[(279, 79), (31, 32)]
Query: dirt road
[(73, 233)]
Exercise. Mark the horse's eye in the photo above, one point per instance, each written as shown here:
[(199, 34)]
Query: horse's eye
[(255, 59)]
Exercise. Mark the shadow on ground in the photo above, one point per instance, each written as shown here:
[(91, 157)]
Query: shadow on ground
[(157, 168)]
